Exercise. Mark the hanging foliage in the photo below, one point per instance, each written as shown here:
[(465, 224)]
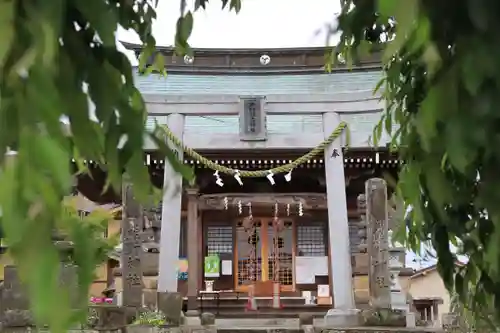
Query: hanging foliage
[(441, 86), (59, 60)]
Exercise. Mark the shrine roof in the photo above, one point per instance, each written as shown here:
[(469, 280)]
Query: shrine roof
[(218, 84), (254, 61), (293, 72), (345, 83)]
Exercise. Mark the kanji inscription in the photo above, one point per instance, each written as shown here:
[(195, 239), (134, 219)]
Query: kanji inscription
[(132, 220), (378, 243)]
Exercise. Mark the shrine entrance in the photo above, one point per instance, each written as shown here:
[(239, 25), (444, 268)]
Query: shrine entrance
[(265, 253)]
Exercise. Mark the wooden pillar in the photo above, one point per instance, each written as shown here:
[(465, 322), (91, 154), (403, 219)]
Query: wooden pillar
[(338, 228), (131, 255), (435, 312), (201, 252), (378, 243), (171, 214), (192, 251)]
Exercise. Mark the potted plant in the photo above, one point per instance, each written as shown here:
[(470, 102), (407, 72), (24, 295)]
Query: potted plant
[(148, 322)]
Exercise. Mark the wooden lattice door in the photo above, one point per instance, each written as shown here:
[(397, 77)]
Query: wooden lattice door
[(265, 254), (248, 254), (280, 253)]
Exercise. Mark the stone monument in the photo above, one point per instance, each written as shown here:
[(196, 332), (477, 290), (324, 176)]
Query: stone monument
[(131, 254), (14, 302), (378, 243)]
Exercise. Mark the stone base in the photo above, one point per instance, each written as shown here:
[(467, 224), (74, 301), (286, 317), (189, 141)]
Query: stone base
[(342, 318), (170, 304), (17, 318), (380, 317), (399, 301), (411, 320), (192, 313), (192, 320), (142, 329)]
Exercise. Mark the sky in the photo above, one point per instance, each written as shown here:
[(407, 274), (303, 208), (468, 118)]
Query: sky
[(260, 24)]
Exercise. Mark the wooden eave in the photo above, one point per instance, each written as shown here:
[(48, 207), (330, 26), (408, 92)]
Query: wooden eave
[(301, 60), (424, 271)]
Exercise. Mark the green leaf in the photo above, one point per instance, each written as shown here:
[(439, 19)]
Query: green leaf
[(139, 176), (387, 7), (183, 32), (104, 25), (379, 85), (426, 120), (113, 136), (236, 5), (478, 13), (144, 57), (405, 13), (44, 153), (493, 253), (457, 152), (472, 77), (186, 171), (7, 32), (159, 64), (388, 124), (200, 4)]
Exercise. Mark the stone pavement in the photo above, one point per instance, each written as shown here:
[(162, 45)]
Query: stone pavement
[(248, 329)]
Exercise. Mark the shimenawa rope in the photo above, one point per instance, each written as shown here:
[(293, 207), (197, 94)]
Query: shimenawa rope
[(319, 149)]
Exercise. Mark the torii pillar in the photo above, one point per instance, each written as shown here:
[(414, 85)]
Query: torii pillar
[(344, 313), (171, 214)]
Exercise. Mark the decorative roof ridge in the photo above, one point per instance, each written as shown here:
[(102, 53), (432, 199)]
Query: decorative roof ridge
[(301, 60), (275, 50)]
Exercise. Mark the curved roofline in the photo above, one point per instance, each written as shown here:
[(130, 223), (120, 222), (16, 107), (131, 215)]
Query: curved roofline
[(300, 60), (277, 50), (425, 270)]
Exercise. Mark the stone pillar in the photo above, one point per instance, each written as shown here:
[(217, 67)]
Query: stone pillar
[(340, 253), (131, 255), (193, 251), (171, 214), (398, 297), (14, 301), (435, 315), (378, 243), (451, 323)]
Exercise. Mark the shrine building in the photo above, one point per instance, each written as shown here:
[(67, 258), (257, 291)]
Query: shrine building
[(242, 113)]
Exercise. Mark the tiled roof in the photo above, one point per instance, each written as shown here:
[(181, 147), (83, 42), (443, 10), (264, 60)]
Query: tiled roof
[(178, 84), (360, 124)]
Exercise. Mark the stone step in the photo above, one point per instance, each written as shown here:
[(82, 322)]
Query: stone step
[(265, 314), (252, 322), (291, 311), (260, 301)]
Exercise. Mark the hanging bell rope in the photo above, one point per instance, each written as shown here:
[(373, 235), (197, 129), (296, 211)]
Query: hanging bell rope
[(319, 149)]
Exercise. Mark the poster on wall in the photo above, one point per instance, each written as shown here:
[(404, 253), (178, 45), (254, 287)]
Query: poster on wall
[(227, 267), (303, 272), (323, 290), (212, 266), (307, 268), (321, 266), (182, 269)]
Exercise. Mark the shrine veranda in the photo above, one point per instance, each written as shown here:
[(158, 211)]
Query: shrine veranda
[(297, 225)]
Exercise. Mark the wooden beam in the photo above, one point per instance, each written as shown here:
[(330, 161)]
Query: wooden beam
[(308, 200), (214, 142), (286, 104)]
